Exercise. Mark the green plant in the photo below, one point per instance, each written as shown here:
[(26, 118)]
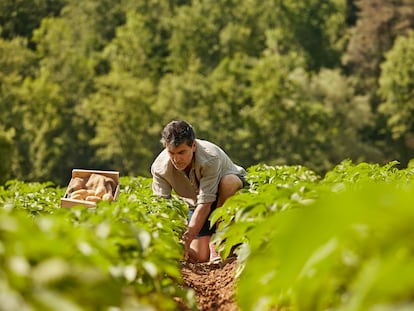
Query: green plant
[(121, 255)]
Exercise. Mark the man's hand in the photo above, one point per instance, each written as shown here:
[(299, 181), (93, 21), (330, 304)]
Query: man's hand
[(196, 223), (188, 237)]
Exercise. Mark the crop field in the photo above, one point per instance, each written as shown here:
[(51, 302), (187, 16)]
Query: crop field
[(342, 241)]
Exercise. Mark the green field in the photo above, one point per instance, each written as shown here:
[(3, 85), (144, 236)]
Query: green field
[(342, 241)]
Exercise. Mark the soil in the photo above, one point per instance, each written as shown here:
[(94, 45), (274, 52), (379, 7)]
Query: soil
[(213, 284)]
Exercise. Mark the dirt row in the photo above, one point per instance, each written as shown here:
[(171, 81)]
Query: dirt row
[(213, 283)]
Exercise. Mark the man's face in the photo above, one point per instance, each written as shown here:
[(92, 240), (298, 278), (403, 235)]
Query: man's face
[(181, 156)]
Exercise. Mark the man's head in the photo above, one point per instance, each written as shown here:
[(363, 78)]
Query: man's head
[(178, 138), (177, 132)]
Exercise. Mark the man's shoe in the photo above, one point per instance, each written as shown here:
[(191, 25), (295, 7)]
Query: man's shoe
[(214, 256)]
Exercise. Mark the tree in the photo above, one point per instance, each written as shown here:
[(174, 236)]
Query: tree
[(68, 47), (310, 119), (351, 117), (7, 155), (194, 38), (290, 127), (315, 29), (121, 115), (379, 22), (18, 18), (94, 22), (146, 32), (228, 124), (396, 88), (183, 96), (16, 63), (214, 103), (43, 137), (66, 66), (135, 48), (209, 31)]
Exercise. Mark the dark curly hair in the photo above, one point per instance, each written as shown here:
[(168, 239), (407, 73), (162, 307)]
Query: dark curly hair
[(177, 132)]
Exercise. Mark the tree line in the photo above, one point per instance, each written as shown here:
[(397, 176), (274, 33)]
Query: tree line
[(91, 84)]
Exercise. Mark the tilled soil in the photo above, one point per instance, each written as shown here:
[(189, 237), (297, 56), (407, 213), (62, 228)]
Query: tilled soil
[(213, 284)]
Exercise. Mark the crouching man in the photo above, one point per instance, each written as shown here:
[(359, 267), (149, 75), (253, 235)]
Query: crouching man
[(203, 175)]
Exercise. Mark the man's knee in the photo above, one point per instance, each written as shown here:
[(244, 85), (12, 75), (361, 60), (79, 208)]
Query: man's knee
[(200, 249), (230, 184)]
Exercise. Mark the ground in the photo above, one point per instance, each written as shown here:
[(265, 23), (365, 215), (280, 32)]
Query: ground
[(213, 284)]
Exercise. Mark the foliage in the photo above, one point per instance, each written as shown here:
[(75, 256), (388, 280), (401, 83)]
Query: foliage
[(6, 155), (314, 29), (122, 255), (21, 17), (339, 254), (16, 62), (277, 82), (378, 24), (229, 100), (186, 94), (132, 50), (341, 242), (396, 86), (308, 119), (271, 189), (119, 112), (41, 124)]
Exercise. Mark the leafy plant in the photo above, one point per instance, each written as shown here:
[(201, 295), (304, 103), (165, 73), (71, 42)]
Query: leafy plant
[(304, 242), (345, 244), (271, 189), (121, 255)]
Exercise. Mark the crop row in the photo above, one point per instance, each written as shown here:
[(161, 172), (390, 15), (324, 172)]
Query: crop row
[(122, 255), (341, 242)]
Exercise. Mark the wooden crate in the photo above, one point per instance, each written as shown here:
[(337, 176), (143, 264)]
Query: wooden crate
[(67, 202)]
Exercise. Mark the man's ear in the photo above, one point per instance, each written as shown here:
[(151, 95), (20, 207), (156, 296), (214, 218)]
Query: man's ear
[(194, 146)]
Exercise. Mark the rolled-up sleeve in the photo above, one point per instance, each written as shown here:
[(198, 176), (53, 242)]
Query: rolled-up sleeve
[(160, 187), (209, 182)]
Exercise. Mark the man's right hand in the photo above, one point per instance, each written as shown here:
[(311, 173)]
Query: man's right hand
[(188, 237), (196, 223)]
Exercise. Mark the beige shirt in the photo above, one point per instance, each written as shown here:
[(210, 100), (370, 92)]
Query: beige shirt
[(210, 163)]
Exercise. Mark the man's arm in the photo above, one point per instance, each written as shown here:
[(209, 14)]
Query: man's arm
[(196, 223), (160, 187)]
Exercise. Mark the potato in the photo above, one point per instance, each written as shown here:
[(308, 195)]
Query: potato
[(108, 187), (79, 194), (76, 197), (110, 184), (95, 180), (101, 184), (100, 191), (80, 191), (108, 197), (76, 183), (93, 198)]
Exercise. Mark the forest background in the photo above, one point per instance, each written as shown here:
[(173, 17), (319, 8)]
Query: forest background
[(90, 84)]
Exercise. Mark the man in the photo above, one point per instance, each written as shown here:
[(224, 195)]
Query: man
[(202, 174)]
